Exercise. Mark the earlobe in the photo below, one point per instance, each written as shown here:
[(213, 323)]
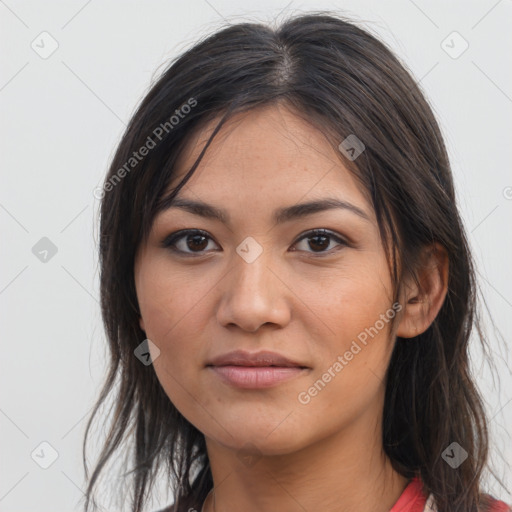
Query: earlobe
[(423, 301), (141, 324)]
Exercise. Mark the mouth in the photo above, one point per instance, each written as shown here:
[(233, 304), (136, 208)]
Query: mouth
[(258, 365), (255, 370), (264, 369), (256, 359), (256, 377)]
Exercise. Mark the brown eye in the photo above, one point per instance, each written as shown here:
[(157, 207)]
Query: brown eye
[(196, 242), (319, 240), (192, 241)]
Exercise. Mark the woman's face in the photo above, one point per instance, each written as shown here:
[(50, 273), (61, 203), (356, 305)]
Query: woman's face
[(254, 284)]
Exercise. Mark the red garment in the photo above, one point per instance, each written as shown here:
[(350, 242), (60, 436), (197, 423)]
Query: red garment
[(414, 500)]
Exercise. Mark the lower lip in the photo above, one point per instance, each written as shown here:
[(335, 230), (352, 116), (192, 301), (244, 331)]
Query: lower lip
[(255, 377)]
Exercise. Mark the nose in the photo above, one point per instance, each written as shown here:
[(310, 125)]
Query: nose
[(254, 294)]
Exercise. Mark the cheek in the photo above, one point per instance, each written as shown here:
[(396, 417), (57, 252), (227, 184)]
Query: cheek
[(350, 382), (353, 310), (349, 299), (171, 309), (171, 300), (177, 333)]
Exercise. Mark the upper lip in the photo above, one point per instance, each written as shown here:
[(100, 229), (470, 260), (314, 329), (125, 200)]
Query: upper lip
[(263, 358)]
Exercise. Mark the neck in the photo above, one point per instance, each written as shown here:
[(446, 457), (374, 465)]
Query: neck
[(341, 473)]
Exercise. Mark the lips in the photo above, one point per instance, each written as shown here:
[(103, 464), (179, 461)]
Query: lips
[(257, 359), (258, 370)]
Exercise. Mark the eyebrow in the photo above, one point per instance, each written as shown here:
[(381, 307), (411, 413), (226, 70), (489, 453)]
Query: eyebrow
[(281, 215)]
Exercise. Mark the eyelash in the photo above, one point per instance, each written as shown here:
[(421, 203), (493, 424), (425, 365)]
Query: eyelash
[(170, 241)]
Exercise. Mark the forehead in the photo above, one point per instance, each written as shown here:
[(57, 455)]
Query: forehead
[(266, 155)]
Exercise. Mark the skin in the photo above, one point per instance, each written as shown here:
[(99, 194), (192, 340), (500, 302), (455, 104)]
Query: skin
[(267, 450)]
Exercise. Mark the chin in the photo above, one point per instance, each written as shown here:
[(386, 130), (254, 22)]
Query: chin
[(261, 440)]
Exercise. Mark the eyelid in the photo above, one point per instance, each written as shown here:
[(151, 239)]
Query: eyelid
[(169, 241), (322, 231), (342, 242)]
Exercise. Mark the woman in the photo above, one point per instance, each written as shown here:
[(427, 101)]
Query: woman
[(280, 239)]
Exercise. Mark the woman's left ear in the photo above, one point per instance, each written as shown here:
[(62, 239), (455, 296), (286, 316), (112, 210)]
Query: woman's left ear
[(421, 304)]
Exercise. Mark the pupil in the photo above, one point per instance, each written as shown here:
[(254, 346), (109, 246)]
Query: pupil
[(323, 246), (196, 243)]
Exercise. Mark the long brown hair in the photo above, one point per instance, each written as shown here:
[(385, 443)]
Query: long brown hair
[(344, 81)]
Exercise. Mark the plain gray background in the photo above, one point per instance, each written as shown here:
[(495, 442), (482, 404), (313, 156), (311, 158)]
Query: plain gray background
[(61, 117)]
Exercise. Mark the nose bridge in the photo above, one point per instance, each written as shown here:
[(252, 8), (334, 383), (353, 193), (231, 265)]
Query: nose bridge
[(252, 273), (252, 293), (251, 279)]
